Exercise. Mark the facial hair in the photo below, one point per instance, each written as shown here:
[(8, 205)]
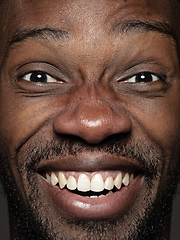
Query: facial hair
[(147, 224)]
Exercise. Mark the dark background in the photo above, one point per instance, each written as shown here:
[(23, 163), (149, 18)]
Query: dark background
[(4, 231)]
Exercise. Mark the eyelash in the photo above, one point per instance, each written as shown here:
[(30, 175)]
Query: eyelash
[(144, 77), (40, 76)]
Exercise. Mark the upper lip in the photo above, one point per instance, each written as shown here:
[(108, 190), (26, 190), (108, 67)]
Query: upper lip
[(83, 207), (89, 162)]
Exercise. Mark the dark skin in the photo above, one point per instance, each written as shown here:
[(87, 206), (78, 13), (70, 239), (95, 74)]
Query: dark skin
[(113, 79)]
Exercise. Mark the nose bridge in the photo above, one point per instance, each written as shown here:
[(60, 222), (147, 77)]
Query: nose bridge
[(94, 111), (91, 116), (93, 106)]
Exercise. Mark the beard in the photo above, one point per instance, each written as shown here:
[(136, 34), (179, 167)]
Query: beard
[(32, 221)]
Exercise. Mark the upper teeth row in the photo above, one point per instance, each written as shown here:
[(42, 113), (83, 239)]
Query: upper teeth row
[(84, 183)]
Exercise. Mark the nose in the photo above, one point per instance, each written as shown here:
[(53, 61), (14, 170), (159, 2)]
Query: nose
[(92, 118)]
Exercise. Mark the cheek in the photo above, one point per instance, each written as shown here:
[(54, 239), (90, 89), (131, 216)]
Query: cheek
[(21, 119), (159, 119)]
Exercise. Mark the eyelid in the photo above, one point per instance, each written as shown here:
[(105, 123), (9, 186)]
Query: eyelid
[(51, 70), (50, 78), (132, 79), (25, 76)]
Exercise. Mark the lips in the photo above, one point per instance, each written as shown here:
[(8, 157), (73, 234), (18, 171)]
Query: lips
[(103, 193)]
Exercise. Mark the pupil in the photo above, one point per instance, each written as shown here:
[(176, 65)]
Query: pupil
[(38, 77), (144, 77)]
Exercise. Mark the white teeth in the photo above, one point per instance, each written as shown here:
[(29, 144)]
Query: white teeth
[(54, 179), (131, 177), (62, 180), (48, 177), (84, 183), (109, 193), (101, 196), (97, 183), (109, 183), (93, 196), (125, 180), (71, 183), (118, 181)]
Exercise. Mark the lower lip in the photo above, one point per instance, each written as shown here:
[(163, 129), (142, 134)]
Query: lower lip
[(94, 208)]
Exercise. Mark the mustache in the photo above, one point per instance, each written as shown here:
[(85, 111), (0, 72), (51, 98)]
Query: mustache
[(149, 156)]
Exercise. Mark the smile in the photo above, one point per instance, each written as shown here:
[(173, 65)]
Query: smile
[(93, 185)]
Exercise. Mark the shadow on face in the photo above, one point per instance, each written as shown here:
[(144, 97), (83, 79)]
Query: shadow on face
[(90, 90)]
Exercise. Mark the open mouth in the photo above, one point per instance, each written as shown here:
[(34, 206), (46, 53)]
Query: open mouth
[(90, 184), (88, 193)]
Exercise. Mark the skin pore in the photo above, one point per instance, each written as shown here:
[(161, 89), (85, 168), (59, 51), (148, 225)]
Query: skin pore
[(86, 87)]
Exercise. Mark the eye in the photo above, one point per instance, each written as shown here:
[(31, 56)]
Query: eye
[(143, 77), (38, 76)]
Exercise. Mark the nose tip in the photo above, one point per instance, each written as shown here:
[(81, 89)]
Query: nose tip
[(92, 122)]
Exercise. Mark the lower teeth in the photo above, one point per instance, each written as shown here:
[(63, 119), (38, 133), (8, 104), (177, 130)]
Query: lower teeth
[(91, 194), (94, 196)]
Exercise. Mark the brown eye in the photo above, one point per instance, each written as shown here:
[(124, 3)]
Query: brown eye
[(38, 76), (143, 77)]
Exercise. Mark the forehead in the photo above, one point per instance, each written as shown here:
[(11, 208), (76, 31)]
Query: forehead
[(88, 22), (81, 15)]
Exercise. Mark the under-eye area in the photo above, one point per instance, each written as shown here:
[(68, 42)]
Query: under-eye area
[(93, 185)]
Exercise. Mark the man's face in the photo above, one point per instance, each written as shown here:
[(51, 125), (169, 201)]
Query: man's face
[(89, 91)]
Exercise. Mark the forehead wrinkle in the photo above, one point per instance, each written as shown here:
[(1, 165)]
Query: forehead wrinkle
[(143, 26)]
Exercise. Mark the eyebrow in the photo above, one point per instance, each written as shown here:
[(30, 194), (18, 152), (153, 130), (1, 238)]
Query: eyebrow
[(141, 26), (43, 33), (132, 26)]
